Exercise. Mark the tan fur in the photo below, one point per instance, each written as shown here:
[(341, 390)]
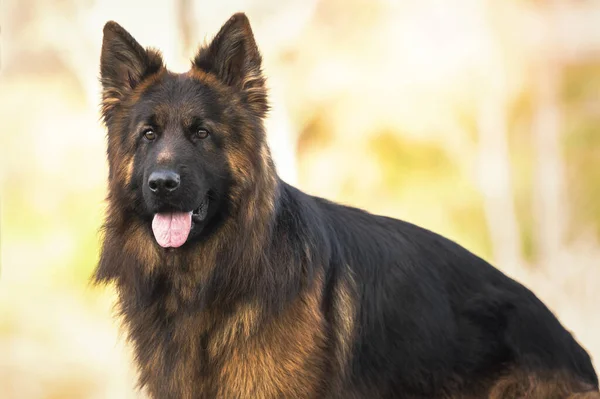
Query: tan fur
[(113, 94), (165, 156), (254, 88), (204, 77), (137, 247), (550, 385), (260, 356), (345, 320), (261, 365), (127, 170), (110, 98), (143, 85), (239, 326)]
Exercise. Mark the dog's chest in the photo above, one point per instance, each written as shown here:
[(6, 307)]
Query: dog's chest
[(191, 356)]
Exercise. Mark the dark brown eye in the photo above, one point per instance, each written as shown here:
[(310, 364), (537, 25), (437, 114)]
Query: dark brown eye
[(201, 133), (149, 135)]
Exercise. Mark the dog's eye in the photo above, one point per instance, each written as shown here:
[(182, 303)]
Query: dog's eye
[(201, 133), (149, 135)]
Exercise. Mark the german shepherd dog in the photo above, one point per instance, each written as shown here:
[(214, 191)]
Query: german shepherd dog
[(233, 284)]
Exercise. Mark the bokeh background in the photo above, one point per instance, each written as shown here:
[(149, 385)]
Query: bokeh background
[(477, 119)]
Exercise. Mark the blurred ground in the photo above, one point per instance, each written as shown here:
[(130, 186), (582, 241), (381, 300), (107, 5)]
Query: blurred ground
[(476, 119)]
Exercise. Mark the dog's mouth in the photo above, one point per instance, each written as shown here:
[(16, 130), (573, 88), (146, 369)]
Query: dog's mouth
[(171, 229), (199, 214)]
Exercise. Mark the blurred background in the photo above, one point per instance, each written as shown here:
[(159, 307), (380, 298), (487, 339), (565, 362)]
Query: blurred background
[(477, 119)]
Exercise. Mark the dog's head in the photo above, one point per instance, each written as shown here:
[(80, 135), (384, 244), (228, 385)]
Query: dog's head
[(181, 146)]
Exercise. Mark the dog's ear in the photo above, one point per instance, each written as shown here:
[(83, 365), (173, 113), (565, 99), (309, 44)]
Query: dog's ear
[(234, 58), (124, 63)]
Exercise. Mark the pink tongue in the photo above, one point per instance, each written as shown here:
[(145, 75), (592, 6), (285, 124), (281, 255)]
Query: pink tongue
[(172, 229)]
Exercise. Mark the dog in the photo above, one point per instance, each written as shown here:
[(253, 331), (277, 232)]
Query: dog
[(233, 284)]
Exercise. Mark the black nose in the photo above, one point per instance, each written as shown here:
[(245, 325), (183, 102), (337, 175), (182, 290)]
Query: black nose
[(163, 181)]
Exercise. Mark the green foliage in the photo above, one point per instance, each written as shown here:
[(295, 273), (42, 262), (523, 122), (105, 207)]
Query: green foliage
[(403, 160), (315, 134), (62, 238), (424, 175), (520, 141), (581, 88)]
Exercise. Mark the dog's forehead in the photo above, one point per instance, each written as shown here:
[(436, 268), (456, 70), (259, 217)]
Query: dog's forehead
[(178, 96)]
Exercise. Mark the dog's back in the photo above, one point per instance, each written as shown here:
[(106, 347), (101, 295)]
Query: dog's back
[(432, 316)]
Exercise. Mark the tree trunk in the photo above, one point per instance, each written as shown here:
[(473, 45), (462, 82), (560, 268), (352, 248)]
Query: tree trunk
[(549, 208), (495, 183)]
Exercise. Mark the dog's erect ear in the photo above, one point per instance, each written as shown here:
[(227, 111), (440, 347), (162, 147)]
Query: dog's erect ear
[(234, 58), (123, 65)]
